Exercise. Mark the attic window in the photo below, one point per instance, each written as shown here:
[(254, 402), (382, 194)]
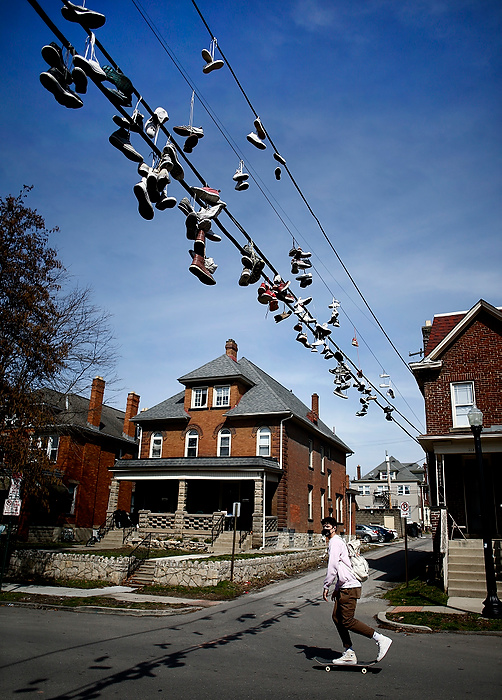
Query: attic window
[(221, 396), (199, 397), (383, 476)]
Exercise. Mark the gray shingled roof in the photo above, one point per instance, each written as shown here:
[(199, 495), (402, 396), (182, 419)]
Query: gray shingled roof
[(266, 396), (71, 410), (404, 472), (169, 409)]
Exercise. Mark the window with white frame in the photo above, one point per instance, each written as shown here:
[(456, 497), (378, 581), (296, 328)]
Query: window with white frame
[(72, 492), (329, 484), (323, 459), (224, 441), (383, 476), (156, 446), (199, 397), (192, 443), (311, 454), (403, 490), (221, 396), (381, 488), (310, 508), (339, 508), (462, 400), (323, 503), (53, 447), (364, 489), (263, 440)]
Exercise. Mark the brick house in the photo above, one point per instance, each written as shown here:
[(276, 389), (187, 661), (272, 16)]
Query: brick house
[(83, 443), (235, 435), (461, 367)]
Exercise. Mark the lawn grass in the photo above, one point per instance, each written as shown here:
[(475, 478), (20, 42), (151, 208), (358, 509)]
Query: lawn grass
[(417, 592), (439, 622)]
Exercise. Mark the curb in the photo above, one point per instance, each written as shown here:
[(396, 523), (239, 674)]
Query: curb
[(382, 617), (135, 612)]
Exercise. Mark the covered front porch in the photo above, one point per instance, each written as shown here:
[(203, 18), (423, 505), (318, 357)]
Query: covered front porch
[(194, 497)]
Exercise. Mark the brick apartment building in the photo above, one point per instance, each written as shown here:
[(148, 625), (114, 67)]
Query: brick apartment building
[(83, 443), (462, 367), (235, 435)]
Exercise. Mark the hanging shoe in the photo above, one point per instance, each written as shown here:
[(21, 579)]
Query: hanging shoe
[(186, 131), (256, 141), (165, 202), (279, 158), (240, 175), (134, 123), (145, 207), (199, 245), (339, 393), (53, 80), (244, 278), (334, 304), (211, 212), (241, 186), (79, 78), (53, 55), (88, 19), (176, 170), (154, 122), (329, 355), (190, 143), (192, 225), (305, 279), (91, 68), (199, 269), (120, 80), (277, 173), (213, 65), (152, 187), (120, 139), (260, 131), (116, 97), (302, 338), (185, 206), (163, 179), (298, 327), (207, 194), (281, 317)]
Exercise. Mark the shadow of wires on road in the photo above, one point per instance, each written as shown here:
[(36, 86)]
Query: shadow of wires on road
[(173, 660)]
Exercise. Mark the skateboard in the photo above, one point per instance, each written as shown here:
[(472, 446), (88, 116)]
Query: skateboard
[(363, 668)]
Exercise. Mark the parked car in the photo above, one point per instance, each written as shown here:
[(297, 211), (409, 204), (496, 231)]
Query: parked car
[(384, 532), (367, 534)]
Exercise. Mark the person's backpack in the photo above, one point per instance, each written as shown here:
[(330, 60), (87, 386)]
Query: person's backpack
[(360, 566)]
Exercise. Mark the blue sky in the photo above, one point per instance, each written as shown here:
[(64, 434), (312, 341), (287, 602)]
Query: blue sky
[(388, 113)]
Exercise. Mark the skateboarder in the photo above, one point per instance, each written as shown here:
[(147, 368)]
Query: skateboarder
[(345, 596)]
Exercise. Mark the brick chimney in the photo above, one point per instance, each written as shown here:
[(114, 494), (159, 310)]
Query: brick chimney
[(313, 414), (132, 408), (231, 349), (96, 402), (426, 331), (358, 472)]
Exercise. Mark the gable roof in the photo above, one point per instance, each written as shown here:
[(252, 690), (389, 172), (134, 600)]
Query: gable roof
[(446, 328), (265, 396), (411, 471), (71, 411)]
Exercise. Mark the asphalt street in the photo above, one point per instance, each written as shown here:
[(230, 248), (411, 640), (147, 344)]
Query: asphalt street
[(259, 646)]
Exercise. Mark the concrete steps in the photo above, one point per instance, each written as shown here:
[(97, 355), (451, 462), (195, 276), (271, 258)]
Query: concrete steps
[(466, 569), (223, 544), (143, 576), (112, 540)]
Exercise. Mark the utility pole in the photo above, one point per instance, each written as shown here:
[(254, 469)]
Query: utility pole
[(387, 461)]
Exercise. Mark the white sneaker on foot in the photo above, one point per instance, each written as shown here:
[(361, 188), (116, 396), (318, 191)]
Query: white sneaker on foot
[(348, 657), (383, 646)]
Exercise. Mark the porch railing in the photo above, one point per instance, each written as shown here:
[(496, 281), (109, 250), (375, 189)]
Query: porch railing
[(218, 527)]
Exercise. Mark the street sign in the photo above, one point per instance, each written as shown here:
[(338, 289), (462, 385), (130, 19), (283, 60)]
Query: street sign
[(12, 506), (405, 509)]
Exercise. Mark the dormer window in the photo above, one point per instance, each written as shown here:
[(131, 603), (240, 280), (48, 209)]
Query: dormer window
[(221, 396), (199, 397)]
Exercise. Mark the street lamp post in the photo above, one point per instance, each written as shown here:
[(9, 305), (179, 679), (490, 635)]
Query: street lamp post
[(492, 607)]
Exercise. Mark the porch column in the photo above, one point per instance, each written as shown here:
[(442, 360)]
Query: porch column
[(179, 516), (258, 514), (113, 497)]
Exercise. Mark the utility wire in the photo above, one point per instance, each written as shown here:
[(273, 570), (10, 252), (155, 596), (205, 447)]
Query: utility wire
[(303, 197), (67, 44)]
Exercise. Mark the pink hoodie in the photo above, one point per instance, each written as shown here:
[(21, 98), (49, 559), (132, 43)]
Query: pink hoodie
[(339, 568)]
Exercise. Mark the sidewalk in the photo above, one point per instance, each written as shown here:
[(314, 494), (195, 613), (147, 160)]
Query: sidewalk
[(124, 593)]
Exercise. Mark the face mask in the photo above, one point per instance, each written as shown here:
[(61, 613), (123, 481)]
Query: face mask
[(326, 533)]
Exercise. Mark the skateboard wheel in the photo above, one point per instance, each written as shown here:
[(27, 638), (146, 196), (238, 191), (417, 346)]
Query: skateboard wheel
[(328, 669), (364, 670)]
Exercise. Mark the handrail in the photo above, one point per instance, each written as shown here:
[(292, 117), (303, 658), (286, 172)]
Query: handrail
[(106, 527), (217, 528), (135, 560)]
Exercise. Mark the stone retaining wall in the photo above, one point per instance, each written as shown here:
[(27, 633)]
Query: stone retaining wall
[(168, 571)]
